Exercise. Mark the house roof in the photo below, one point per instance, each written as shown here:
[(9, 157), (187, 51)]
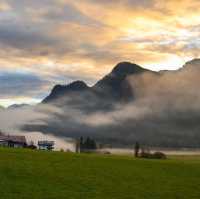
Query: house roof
[(13, 138)]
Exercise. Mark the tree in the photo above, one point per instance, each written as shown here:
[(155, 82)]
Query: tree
[(78, 146), (93, 144), (88, 143), (81, 143), (137, 148)]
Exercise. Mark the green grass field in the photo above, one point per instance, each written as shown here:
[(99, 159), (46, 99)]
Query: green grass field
[(54, 175)]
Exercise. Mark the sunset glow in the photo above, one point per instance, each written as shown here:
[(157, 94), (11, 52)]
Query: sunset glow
[(58, 41)]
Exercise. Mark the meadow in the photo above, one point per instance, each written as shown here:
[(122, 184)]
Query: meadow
[(26, 174)]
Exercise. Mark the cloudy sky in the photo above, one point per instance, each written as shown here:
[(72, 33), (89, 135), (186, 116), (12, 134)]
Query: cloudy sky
[(45, 42)]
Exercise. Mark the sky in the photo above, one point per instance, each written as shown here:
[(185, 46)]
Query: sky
[(48, 42)]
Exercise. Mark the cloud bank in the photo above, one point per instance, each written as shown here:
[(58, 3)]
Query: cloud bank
[(165, 112)]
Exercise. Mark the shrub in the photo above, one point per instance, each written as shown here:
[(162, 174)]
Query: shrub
[(145, 155), (107, 153), (156, 155), (159, 155)]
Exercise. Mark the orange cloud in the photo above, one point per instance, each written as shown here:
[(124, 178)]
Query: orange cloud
[(87, 38)]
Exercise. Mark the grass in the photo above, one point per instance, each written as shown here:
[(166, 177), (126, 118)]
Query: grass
[(28, 174)]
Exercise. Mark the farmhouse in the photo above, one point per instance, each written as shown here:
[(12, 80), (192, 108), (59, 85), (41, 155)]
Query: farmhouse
[(46, 145), (12, 141)]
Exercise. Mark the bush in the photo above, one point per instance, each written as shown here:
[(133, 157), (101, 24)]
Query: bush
[(159, 155), (107, 153), (33, 147), (145, 155), (156, 155)]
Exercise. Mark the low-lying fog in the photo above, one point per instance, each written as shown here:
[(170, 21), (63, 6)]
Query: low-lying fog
[(165, 112)]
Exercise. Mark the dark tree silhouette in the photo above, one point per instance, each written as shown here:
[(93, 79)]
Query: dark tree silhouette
[(88, 144), (81, 143), (137, 148)]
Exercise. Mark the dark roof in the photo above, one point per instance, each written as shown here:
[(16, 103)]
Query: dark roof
[(13, 138)]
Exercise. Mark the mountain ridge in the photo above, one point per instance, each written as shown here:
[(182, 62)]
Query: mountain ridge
[(156, 110), (112, 87)]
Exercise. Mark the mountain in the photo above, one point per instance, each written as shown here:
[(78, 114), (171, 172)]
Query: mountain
[(61, 90), (129, 104), (112, 88), (193, 63), (115, 86), (18, 106)]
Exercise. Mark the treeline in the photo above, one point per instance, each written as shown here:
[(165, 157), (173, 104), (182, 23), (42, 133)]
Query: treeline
[(87, 144)]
